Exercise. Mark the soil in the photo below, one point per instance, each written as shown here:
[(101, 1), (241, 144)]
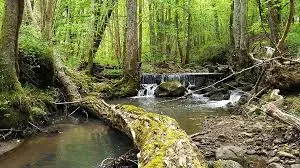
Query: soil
[(263, 139)]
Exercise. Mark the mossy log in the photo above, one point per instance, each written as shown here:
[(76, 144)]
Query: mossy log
[(159, 138)]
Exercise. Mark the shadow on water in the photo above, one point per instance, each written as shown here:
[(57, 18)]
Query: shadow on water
[(84, 145)]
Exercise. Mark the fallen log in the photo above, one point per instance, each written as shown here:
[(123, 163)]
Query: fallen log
[(272, 109), (160, 140)]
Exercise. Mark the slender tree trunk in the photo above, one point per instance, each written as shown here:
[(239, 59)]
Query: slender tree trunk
[(274, 21), (231, 32), (12, 20), (177, 32), (48, 23), (100, 24), (216, 22), (31, 14), (236, 22), (241, 59), (117, 35), (152, 29), (132, 66), (140, 30), (280, 45), (189, 34)]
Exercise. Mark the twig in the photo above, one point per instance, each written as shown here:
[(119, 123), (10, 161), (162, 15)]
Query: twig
[(73, 111), (63, 103), (35, 126)]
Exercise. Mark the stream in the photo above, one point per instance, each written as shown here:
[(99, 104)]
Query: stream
[(88, 144), (77, 146)]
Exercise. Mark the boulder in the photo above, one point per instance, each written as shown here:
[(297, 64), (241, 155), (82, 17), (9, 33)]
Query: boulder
[(170, 89), (231, 153), (227, 164)]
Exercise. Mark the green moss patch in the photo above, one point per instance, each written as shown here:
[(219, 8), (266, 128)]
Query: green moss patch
[(16, 109)]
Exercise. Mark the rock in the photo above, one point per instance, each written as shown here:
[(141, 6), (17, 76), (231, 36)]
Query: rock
[(275, 165), (285, 154), (230, 153), (170, 89), (274, 159), (295, 166), (227, 164)]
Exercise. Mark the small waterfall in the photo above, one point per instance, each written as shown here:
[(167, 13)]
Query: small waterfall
[(147, 90), (149, 82), (235, 96)]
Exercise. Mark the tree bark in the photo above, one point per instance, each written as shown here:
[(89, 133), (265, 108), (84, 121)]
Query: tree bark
[(118, 49), (177, 31), (152, 29), (241, 58), (132, 64), (48, 23), (12, 20), (140, 30), (186, 59), (31, 14), (274, 21)]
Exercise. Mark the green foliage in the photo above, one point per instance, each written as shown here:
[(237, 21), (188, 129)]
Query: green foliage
[(36, 61), (213, 53), (31, 43), (293, 41)]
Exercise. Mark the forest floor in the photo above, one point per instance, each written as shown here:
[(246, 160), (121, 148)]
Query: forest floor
[(257, 142)]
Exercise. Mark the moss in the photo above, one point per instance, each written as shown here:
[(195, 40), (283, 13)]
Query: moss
[(17, 108), (156, 138)]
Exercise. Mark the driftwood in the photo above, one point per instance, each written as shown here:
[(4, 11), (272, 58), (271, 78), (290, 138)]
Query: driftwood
[(273, 111), (159, 138)]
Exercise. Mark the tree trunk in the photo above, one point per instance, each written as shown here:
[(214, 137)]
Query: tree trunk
[(48, 22), (216, 22), (186, 59), (118, 49), (280, 45), (177, 32), (241, 58), (100, 24), (12, 20), (140, 30), (132, 64), (274, 21), (31, 14), (231, 32), (152, 30)]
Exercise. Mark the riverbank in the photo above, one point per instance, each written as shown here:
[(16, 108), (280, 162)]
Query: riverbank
[(253, 142)]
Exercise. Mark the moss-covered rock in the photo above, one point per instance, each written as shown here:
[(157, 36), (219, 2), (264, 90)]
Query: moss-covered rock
[(170, 89)]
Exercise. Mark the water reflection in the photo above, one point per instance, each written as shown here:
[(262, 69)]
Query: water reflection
[(77, 147)]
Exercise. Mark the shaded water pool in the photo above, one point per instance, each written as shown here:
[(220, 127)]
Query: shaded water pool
[(78, 146)]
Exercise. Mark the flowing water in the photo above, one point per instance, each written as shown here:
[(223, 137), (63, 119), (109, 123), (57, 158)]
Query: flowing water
[(78, 146)]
